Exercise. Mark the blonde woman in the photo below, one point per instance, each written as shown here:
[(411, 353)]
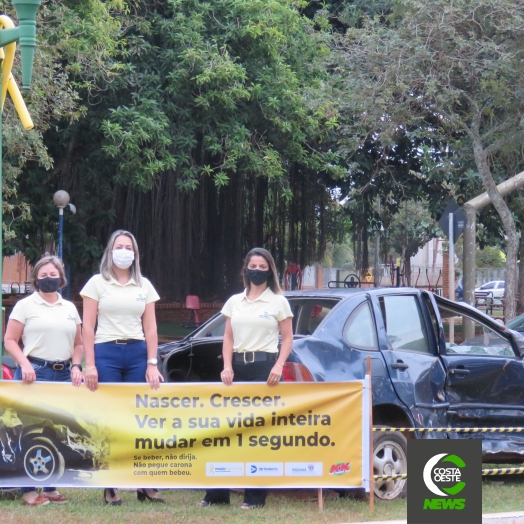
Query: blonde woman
[(49, 327), (121, 302)]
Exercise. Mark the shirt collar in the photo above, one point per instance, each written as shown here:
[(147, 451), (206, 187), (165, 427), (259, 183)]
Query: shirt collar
[(264, 297), (39, 300), (131, 281)]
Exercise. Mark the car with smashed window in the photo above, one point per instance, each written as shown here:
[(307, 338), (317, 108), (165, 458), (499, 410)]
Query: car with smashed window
[(434, 362), (39, 445)]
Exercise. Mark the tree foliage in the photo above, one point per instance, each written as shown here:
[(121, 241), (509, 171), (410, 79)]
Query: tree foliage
[(451, 72), (205, 138), (75, 40)]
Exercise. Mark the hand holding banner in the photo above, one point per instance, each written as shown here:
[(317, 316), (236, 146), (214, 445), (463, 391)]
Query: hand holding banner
[(184, 435)]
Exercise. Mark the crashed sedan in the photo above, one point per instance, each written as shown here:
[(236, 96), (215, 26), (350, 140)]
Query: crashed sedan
[(435, 363), (38, 445)]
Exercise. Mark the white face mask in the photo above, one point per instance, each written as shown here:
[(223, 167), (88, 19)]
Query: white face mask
[(123, 258)]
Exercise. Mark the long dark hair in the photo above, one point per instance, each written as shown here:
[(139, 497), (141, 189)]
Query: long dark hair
[(272, 281)]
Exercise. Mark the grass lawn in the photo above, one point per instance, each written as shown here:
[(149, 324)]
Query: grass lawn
[(500, 494)]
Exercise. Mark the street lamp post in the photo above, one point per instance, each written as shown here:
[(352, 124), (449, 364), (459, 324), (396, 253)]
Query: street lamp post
[(25, 34), (61, 200)]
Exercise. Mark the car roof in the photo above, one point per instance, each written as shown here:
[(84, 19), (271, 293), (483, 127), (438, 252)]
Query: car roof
[(343, 293)]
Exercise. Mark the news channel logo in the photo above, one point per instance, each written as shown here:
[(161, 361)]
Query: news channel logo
[(444, 481)]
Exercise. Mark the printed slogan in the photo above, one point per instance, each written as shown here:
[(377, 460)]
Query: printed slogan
[(184, 435)]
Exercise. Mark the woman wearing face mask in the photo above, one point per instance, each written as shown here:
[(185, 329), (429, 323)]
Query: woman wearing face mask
[(124, 348), (49, 327), (254, 320)]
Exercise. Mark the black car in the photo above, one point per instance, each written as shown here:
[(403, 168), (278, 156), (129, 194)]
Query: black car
[(435, 363)]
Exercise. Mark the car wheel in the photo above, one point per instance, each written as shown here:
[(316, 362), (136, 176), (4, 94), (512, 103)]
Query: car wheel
[(390, 457), (42, 461)]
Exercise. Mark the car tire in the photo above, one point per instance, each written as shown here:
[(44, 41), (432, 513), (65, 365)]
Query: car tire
[(390, 457), (42, 461)]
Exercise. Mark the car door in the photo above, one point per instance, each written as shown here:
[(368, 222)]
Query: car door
[(410, 351), (484, 370)]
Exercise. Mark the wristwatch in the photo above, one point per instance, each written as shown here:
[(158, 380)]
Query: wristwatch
[(152, 361), (79, 366)]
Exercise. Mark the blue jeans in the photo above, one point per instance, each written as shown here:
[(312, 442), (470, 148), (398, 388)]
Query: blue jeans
[(45, 374), (121, 362)]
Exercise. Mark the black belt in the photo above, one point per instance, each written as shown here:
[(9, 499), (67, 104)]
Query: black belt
[(248, 357), (56, 365), (125, 341)]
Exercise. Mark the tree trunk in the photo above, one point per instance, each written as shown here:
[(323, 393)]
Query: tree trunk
[(407, 270), (508, 222), (520, 308)]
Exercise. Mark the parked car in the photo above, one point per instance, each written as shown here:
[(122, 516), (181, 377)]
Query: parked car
[(517, 324), (496, 288), (8, 367), (435, 363)]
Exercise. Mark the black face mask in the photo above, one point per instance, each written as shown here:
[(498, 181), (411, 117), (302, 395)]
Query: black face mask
[(257, 276), (48, 284)]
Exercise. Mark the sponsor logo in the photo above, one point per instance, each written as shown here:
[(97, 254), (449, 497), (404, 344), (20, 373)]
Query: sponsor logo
[(304, 469), (265, 315), (444, 481), (340, 468), (224, 469), (264, 469), (140, 298), (71, 317)]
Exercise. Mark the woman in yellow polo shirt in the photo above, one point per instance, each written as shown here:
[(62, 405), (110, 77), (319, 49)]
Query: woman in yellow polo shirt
[(254, 320), (49, 327), (125, 346)]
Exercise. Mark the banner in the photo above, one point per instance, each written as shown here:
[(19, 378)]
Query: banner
[(186, 435)]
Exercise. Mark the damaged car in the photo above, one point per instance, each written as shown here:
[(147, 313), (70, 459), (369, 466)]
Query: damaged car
[(434, 363), (38, 446)]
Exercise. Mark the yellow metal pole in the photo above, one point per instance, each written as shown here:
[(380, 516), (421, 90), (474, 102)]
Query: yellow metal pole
[(19, 104), (8, 82)]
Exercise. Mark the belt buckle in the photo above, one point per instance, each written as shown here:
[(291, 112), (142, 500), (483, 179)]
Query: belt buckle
[(58, 366), (247, 361), (124, 343)]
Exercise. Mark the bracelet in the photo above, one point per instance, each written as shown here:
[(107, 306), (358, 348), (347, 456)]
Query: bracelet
[(281, 367), (89, 369)]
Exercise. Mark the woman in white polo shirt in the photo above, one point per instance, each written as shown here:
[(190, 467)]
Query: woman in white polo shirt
[(50, 330), (125, 346), (250, 349)]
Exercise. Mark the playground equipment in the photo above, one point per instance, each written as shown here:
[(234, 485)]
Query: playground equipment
[(25, 34)]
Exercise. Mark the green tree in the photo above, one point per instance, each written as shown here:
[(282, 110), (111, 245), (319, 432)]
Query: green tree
[(75, 39), (206, 139), (411, 228), (449, 71)]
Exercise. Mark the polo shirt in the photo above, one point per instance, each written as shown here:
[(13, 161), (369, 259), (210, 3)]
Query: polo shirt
[(255, 322), (120, 306), (49, 329)]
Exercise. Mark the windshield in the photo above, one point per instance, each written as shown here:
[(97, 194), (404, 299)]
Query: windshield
[(214, 328), (308, 313)]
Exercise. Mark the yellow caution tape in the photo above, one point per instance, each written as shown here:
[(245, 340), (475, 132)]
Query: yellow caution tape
[(485, 473), (450, 430)]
